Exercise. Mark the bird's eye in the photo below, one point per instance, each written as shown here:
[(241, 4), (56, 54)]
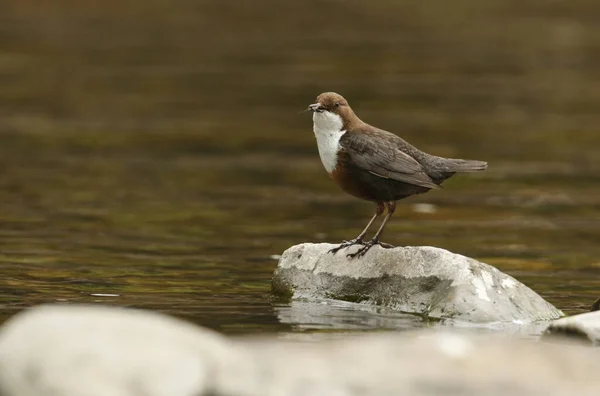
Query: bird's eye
[(338, 104)]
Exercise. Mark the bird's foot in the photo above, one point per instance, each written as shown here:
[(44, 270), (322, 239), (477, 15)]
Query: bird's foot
[(368, 245), (345, 244)]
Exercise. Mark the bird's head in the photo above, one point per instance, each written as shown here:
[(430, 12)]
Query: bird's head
[(331, 106)]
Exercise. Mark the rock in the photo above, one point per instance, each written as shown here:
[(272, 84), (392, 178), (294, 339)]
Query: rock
[(93, 351), (100, 351), (584, 326), (409, 363), (422, 280)]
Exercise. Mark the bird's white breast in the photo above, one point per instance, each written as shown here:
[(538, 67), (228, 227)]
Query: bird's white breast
[(328, 131)]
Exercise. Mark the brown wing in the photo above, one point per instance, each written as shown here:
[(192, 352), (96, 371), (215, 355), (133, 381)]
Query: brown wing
[(379, 154)]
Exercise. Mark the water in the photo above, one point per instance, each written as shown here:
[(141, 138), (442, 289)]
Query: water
[(159, 161)]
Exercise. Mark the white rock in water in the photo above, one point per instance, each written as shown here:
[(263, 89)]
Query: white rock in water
[(101, 351), (423, 280), (584, 326)]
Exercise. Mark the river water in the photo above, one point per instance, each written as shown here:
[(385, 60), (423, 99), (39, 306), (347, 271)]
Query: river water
[(156, 159)]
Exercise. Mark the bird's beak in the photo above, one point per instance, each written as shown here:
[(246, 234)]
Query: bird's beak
[(316, 107)]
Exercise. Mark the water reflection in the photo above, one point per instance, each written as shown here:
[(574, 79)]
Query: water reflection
[(328, 316), (342, 316)]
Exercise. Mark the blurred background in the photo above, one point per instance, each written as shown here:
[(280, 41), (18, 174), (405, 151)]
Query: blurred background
[(152, 154)]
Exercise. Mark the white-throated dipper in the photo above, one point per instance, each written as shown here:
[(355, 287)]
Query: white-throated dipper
[(374, 164)]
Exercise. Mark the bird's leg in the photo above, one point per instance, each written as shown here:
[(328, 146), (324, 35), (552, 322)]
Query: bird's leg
[(359, 239), (391, 207)]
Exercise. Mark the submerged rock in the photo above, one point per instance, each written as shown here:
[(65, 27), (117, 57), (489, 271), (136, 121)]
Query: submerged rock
[(422, 280), (584, 326)]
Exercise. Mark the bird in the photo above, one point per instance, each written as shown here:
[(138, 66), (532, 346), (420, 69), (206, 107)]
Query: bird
[(375, 165)]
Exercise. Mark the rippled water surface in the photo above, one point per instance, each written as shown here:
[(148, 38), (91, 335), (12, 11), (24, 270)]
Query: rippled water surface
[(159, 161)]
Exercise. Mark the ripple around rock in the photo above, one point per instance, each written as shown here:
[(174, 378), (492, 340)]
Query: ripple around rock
[(422, 280)]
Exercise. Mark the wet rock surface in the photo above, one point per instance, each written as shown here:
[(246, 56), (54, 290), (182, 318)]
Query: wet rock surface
[(422, 280), (89, 351)]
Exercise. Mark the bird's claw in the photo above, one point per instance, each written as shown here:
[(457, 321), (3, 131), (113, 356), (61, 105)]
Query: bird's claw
[(368, 245), (345, 244)]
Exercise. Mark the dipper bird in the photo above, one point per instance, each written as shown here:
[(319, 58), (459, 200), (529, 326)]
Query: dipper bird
[(374, 164)]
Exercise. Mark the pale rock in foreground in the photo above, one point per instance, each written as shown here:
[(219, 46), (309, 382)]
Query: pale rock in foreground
[(101, 351), (422, 363), (423, 280), (584, 326)]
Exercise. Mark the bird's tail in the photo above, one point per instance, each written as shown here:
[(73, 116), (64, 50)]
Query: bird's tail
[(461, 165)]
